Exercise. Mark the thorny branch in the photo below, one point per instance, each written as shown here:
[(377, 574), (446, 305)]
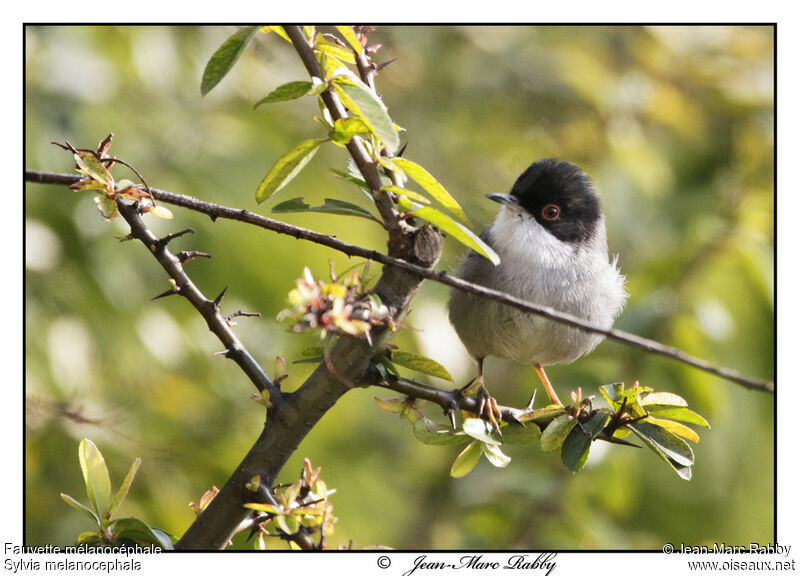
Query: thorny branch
[(217, 211)]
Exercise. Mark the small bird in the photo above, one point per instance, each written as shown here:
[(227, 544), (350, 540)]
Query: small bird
[(550, 235)]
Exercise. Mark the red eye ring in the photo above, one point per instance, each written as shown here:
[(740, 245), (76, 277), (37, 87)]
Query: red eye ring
[(551, 212)]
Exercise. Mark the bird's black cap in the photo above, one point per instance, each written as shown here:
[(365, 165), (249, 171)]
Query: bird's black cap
[(561, 198)]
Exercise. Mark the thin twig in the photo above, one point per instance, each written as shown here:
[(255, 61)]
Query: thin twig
[(209, 309), (217, 211)]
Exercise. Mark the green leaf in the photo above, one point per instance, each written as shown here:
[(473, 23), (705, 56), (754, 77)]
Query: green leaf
[(107, 207), (90, 540), (89, 165), (481, 430), (366, 105), (284, 92), (556, 432), (349, 35), (225, 57), (345, 128), (666, 444), (339, 52), (675, 427), (88, 184), (405, 192), (287, 524), (575, 450), (126, 485), (95, 476), (431, 186), (137, 531), (451, 227), (330, 206), (350, 178), (682, 414), (546, 414), (495, 455), (519, 434), (433, 434), (279, 31), (80, 507), (392, 405), (613, 393), (663, 398), (467, 459), (420, 364), (286, 168), (268, 508)]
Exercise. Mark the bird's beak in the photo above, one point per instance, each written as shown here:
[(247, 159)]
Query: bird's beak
[(504, 199)]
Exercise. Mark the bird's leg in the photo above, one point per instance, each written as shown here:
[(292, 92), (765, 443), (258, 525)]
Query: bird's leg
[(551, 393), (487, 404)]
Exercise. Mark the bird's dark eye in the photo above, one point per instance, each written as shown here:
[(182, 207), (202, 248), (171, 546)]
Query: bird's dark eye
[(551, 212)]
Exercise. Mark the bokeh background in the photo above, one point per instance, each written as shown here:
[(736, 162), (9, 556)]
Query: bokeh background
[(674, 124)]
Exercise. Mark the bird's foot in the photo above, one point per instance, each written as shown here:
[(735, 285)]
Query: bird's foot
[(487, 405)]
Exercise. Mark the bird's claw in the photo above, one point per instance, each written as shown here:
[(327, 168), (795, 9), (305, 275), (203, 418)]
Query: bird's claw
[(488, 408)]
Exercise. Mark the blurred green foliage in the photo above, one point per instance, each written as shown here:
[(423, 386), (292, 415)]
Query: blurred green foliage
[(674, 124)]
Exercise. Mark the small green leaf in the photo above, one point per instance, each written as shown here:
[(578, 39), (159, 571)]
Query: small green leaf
[(451, 227), (339, 52), (330, 206), (288, 524), (349, 178), (278, 30), (90, 166), (575, 450), (405, 192), (664, 399), (268, 508), (431, 186), (429, 432), (420, 364), (675, 427), (392, 406), (613, 393), (139, 532), (349, 35), (366, 105), (481, 430), (546, 414), (90, 540), (225, 57), (663, 442), (80, 507), (107, 207), (95, 476), (556, 432), (467, 459), (345, 128), (284, 92), (286, 168), (125, 486), (682, 414), (88, 184), (519, 434), (495, 456)]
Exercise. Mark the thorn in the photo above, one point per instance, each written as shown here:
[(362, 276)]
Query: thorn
[(218, 299), (191, 255), (451, 415), (240, 313), (529, 405), (226, 353), (403, 149), (613, 440), (170, 237), (383, 65), (169, 292)]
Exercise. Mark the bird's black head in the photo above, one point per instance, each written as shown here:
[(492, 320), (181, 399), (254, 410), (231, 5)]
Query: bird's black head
[(561, 198)]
